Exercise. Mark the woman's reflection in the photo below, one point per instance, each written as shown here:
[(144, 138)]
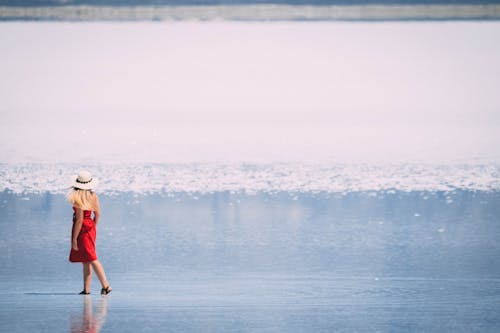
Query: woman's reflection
[(88, 322)]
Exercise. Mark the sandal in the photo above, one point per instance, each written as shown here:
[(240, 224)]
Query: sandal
[(105, 291), (84, 292)]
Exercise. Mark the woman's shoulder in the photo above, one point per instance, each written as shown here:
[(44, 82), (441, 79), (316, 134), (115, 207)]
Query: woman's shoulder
[(96, 200)]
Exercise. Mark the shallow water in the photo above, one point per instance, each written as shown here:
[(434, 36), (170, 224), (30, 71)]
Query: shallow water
[(264, 302), (365, 261)]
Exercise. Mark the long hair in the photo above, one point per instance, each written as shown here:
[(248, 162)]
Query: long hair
[(83, 199)]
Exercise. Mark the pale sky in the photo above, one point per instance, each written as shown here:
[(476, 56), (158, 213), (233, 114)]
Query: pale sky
[(229, 91)]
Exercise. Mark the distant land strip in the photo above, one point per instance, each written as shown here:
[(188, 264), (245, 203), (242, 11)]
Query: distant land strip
[(252, 13)]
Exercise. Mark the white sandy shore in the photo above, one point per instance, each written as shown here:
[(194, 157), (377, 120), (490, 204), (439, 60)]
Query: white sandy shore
[(263, 12), (252, 178)]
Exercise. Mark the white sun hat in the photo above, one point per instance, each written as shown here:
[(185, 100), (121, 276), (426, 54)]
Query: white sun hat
[(84, 181)]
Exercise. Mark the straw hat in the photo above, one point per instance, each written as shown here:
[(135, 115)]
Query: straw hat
[(84, 181)]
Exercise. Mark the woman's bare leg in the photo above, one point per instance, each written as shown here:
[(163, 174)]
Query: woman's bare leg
[(96, 265), (87, 276)]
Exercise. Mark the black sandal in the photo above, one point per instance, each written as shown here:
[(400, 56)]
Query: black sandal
[(105, 291), (83, 292)]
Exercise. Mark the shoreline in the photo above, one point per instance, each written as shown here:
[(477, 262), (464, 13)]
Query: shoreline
[(255, 178), (262, 12)]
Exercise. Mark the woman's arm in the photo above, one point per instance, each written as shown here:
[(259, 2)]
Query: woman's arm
[(77, 226), (97, 212)]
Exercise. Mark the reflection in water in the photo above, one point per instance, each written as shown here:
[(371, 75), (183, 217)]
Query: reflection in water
[(393, 234), (88, 322), (282, 262)]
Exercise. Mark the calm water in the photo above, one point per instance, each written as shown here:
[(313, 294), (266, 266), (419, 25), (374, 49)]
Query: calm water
[(300, 262)]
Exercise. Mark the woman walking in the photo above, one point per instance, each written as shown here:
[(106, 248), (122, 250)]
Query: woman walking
[(85, 202)]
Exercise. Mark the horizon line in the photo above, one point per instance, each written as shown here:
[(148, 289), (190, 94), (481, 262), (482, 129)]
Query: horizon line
[(263, 12)]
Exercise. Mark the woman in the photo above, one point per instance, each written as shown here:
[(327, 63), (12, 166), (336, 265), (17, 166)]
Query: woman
[(83, 235)]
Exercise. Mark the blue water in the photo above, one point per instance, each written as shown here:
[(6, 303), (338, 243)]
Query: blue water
[(299, 262)]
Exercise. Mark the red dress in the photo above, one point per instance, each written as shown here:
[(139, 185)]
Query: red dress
[(85, 240)]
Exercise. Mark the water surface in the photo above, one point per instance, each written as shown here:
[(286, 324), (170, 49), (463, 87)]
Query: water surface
[(284, 261)]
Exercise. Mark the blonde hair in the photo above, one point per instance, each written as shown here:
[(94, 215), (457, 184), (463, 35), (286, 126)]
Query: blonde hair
[(83, 199)]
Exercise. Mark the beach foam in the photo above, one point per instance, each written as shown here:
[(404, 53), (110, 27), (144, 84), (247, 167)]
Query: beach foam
[(252, 178)]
